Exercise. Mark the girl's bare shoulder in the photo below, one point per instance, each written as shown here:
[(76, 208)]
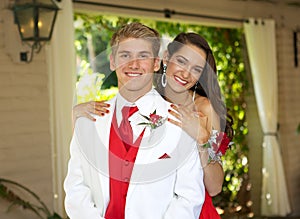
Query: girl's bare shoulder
[(202, 103)]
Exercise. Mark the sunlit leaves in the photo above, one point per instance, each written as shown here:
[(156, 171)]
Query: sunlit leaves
[(89, 85)]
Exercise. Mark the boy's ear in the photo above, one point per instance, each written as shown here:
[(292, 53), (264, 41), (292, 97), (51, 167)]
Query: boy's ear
[(112, 64), (156, 64)]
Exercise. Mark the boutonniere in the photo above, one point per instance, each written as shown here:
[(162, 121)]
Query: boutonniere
[(154, 120), (217, 145)]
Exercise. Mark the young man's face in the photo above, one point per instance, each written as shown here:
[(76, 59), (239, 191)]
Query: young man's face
[(134, 64)]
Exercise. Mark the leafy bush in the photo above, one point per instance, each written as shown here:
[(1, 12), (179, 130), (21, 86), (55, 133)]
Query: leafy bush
[(8, 190)]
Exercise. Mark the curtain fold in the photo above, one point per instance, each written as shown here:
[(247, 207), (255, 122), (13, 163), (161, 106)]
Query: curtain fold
[(261, 46), (62, 78)]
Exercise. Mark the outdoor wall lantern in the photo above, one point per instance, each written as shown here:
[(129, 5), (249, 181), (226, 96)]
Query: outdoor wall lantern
[(35, 20)]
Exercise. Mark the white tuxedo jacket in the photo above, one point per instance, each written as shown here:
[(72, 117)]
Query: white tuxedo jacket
[(159, 188)]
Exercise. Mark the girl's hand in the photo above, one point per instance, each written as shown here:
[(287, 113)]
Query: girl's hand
[(192, 122), (85, 109)]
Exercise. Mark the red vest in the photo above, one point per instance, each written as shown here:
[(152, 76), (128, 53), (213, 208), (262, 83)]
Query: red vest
[(121, 163)]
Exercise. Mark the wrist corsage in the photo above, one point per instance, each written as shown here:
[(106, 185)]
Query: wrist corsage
[(154, 120), (216, 146)]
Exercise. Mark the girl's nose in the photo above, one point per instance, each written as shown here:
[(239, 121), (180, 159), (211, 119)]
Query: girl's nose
[(185, 73)]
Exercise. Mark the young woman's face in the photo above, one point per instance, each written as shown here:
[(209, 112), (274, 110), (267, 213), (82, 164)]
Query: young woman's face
[(185, 67)]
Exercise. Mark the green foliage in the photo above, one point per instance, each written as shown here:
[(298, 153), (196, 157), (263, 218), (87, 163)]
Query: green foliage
[(89, 85), (92, 36), (227, 48), (8, 189)]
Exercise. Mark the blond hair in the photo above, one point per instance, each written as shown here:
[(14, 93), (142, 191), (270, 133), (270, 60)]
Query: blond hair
[(139, 31)]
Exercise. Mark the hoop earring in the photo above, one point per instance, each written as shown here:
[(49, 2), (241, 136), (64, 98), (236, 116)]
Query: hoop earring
[(164, 76), (194, 93)]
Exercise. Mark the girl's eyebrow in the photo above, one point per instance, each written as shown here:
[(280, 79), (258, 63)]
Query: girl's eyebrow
[(180, 56)]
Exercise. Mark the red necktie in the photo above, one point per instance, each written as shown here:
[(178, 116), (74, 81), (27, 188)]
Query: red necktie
[(125, 129)]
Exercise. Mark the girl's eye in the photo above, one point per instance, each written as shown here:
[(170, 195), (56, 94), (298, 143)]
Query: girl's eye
[(197, 70), (181, 61)]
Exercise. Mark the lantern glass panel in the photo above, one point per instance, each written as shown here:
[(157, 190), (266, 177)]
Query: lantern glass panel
[(45, 23), (25, 19)]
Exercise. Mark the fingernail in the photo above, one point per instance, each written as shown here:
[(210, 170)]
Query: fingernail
[(107, 104), (169, 110), (107, 111), (172, 105), (102, 114)]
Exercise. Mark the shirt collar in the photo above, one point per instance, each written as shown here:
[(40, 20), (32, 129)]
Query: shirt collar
[(121, 102), (145, 104)]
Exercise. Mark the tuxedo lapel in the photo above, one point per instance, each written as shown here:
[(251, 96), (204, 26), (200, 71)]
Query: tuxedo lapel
[(102, 126)]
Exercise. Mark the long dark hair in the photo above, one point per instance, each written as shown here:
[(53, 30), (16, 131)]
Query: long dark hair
[(207, 85)]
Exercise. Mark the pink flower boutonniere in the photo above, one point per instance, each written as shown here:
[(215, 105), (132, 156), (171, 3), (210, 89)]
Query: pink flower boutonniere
[(154, 120), (217, 145)]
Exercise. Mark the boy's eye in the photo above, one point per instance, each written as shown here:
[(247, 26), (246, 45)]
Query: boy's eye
[(124, 55), (144, 56)]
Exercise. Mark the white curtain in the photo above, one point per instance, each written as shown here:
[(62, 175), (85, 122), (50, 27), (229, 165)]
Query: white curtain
[(261, 46), (61, 67)]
